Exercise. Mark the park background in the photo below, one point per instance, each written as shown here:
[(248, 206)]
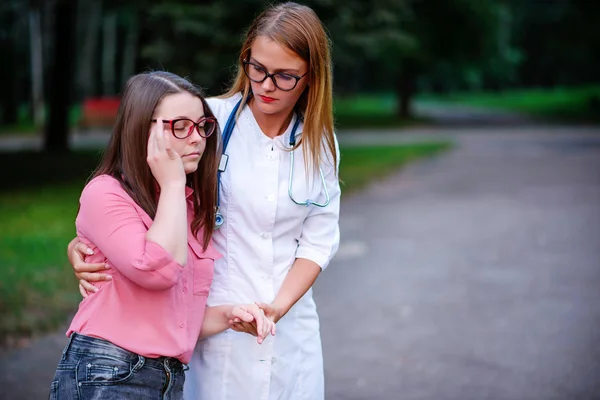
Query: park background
[(402, 69)]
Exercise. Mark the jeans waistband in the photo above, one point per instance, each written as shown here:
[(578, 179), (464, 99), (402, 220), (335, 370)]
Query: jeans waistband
[(91, 345)]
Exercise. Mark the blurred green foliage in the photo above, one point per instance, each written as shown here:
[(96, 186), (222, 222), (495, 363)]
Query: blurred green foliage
[(565, 104), (401, 46)]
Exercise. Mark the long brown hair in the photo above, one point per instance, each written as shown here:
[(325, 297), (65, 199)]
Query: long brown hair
[(125, 155), (299, 29)]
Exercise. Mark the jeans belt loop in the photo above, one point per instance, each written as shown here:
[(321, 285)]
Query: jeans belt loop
[(139, 364), (68, 345)]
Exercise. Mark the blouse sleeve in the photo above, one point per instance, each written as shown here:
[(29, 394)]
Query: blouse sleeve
[(320, 236), (108, 218)]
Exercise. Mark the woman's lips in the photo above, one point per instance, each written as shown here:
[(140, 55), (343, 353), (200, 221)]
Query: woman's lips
[(266, 99)]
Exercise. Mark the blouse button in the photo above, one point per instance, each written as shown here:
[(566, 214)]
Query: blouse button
[(271, 197)]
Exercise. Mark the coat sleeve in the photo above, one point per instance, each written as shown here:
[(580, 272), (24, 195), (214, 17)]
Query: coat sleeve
[(320, 236)]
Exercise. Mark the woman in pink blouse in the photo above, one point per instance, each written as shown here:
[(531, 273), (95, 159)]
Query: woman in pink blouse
[(148, 214)]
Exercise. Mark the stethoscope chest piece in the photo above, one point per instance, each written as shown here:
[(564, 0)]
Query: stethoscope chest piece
[(219, 219)]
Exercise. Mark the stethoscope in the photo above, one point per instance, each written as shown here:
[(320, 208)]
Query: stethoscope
[(219, 219)]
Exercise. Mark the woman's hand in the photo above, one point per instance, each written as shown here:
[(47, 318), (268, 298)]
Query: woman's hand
[(85, 273), (251, 319), (270, 312), (166, 165)]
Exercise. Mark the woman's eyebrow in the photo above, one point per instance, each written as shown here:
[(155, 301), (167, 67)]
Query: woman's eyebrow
[(254, 60), (186, 117)]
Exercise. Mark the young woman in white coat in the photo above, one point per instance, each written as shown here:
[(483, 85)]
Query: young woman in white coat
[(279, 208)]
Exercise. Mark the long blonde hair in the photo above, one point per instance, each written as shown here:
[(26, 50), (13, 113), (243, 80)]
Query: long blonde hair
[(298, 28)]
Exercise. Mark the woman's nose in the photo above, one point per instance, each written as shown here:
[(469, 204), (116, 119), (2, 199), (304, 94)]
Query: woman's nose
[(268, 84), (195, 137)]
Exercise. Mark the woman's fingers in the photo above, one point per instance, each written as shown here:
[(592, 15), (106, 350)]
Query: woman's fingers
[(249, 328), (87, 286), (82, 291), (77, 254), (151, 149), (93, 276), (81, 267), (268, 324), (169, 146), (239, 313), (259, 319), (76, 251), (242, 326), (252, 319), (159, 136), (239, 327), (83, 250)]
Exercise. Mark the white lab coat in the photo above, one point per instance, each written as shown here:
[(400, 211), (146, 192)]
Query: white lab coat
[(263, 233)]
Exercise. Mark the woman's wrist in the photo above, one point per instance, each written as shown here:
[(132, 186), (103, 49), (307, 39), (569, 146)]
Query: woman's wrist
[(279, 310), (227, 312), (174, 185)]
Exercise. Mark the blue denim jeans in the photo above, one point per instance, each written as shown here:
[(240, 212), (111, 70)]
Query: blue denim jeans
[(92, 368)]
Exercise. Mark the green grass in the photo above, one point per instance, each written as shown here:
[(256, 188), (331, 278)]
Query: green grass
[(369, 111), (38, 290), (361, 165), (569, 104)]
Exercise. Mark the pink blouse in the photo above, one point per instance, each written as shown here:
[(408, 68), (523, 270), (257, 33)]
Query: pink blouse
[(153, 306)]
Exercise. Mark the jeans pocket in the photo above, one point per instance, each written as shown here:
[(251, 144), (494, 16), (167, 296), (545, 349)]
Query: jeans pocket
[(103, 370), (53, 390)]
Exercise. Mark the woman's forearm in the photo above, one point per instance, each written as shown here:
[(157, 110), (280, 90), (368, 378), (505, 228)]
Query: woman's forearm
[(301, 277), (216, 320), (169, 228)]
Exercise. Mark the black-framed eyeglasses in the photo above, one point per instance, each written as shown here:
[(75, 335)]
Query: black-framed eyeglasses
[(182, 128), (281, 80)]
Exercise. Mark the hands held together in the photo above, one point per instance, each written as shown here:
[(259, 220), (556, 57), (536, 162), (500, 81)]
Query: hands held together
[(252, 319), (256, 319)]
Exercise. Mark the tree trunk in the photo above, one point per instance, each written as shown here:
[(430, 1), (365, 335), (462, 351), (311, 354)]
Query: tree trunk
[(37, 69), (109, 52), (131, 46), (406, 87), (90, 28), (8, 100), (56, 135), (8, 69)]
